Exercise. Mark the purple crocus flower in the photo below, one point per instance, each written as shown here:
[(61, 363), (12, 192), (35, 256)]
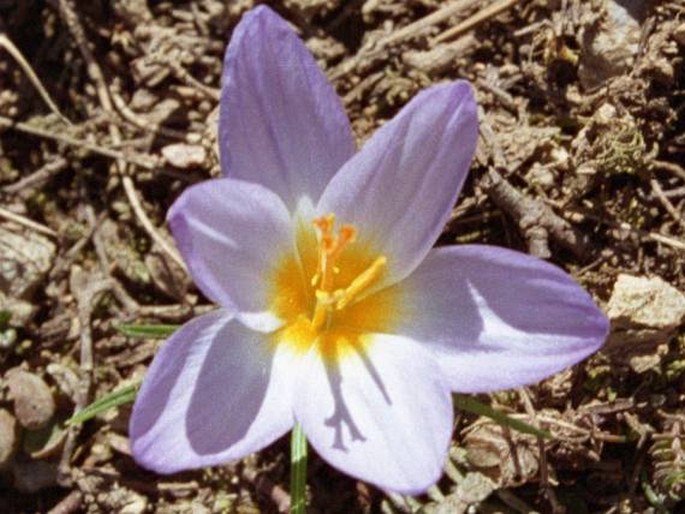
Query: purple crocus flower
[(335, 310)]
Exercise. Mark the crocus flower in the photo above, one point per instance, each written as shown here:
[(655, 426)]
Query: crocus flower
[(335, 311)]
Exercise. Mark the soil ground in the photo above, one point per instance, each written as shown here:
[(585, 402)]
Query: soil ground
[(108, 111)]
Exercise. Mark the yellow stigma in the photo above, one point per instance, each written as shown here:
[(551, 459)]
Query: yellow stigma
[(331, 247), (324, 293)]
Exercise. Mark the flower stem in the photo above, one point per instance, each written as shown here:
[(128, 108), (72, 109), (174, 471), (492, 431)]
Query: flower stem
[(298, 470)]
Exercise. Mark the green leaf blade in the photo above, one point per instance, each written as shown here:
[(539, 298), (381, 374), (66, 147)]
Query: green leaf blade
[(475, 407), (116, 398), (149, 331)]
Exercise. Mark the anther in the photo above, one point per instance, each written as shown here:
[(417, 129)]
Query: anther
[(325, 223), (346, 235), (330, 248), (359, 284)]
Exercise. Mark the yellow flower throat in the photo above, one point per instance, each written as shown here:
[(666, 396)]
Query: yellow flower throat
[(331, 247), (321, 295)]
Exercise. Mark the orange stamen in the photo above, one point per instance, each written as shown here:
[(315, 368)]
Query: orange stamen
[(331, 247)]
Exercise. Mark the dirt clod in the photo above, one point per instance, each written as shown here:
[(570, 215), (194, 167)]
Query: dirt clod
[(34, 404), (9, 438), (646, 302)]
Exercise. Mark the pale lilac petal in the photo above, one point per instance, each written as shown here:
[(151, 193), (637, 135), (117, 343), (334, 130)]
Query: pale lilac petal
[(231, 234), (498, 319), (215, 392), (281, 123), (400, 188), (383, 415)]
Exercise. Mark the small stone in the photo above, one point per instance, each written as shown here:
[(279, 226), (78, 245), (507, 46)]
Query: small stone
[(644, 314), (183, 155), (122, 500), (133, 11), (489, 451), (142, 100), (646, 302), (20, 311), (66, 379), (26, 259), (474, 488), (136, 505), (9, 436), (609, 46), (34, 404), (541, 176), (450, 504)]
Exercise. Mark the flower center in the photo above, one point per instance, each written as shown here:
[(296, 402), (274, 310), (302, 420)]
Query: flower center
[(331, 246), (322, 293)]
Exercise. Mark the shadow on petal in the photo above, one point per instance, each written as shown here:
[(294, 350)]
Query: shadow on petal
[(498, 319), (441, 308), (170, 366), (219, 416), (377, 408), (217, 391), (335, 347)]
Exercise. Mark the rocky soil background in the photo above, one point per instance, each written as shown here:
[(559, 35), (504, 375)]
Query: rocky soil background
[(108, 111)]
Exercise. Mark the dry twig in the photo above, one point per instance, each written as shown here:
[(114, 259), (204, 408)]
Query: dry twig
[(139, 160), (7, 44), (30, 224), (472, 21), (37, 177), (672, 167), (663, 199), (85, 291), (379, 48), (280, 497), (536, 221), (580, 216), (133, 199), (71, 19)]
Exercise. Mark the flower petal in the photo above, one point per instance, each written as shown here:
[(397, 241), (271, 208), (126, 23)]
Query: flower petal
[(498, 319), (215, 392), (381, 414), (281, 123), (400, 188), (231, 233)]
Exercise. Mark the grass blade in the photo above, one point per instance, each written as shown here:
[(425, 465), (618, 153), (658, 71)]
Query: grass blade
[(469, 404), (298, 470), (151, 331), (119, 397)]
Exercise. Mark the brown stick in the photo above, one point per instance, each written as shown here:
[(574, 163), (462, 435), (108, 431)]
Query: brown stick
[(663, 199), (85, 292), (536, 220), (38, 177), (469, 23), (379, 48), (26, 222), (8, 45), (143, 162), (71, 19)]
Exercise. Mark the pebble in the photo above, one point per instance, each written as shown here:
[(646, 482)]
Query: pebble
[(9, 432), (182, 155), (34, 404)]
